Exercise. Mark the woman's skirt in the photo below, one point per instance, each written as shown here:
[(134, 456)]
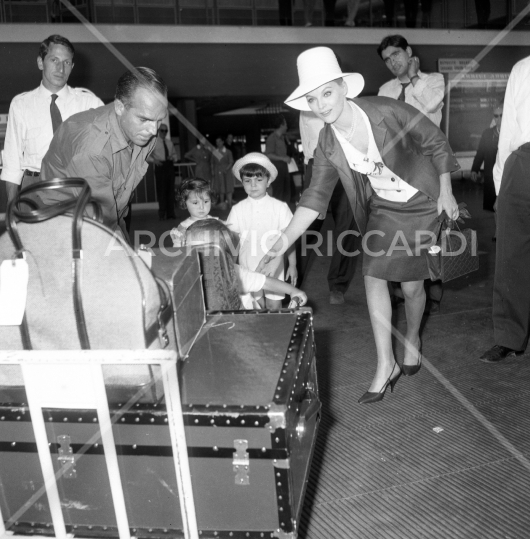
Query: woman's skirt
[(397, 237)]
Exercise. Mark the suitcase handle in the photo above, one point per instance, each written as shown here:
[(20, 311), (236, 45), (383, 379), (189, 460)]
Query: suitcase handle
[(309, 407)]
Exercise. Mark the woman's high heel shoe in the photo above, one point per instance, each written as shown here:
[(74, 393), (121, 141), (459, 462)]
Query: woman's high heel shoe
[(370, 397), (410, 370)]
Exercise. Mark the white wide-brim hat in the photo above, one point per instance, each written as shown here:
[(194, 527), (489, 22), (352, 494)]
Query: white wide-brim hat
[(316, 67), (258, 159)]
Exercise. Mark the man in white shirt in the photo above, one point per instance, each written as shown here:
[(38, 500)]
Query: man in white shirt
[(342, 265), (423, 91), (34, 116), (511, 288)]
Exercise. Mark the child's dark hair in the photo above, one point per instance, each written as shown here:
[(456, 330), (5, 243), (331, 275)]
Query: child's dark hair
[(221, 283), (253, 168), (194, 185)]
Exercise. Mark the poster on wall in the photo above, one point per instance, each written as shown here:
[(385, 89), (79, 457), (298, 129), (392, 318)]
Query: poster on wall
[(470, 103)]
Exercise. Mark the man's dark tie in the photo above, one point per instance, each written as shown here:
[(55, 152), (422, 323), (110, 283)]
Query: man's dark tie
[(166, 152), (402, 94), (57, 119)]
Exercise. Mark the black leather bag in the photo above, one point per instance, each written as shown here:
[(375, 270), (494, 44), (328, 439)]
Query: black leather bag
[(455, 252)]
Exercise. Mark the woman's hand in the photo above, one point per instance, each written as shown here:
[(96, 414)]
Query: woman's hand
[(447, 203), (446, 200), (268, 263)]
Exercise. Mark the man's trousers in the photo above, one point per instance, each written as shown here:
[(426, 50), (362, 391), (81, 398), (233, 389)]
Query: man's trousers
[(511, 289), (165, 189)]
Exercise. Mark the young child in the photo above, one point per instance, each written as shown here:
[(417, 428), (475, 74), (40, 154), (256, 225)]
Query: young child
[(196, 196), (239, 281), (259, 220)]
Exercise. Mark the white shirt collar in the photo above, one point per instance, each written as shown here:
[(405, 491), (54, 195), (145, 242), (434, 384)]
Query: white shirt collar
[(259, 200), (63, 93)]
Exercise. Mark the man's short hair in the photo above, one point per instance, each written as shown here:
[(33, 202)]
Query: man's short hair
[(54, 40), (278, 121), (140, 77), (392, 41)]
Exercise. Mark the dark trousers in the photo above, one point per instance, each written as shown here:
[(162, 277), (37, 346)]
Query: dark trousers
[(483, 12), (329, 11), (281, 186), (342, 267), (389, 12), (285, 13), (165, 189), (411, 13), (511, 287)]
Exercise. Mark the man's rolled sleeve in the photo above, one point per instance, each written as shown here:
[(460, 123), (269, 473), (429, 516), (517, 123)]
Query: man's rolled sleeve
[(11, 167), (430, 91)]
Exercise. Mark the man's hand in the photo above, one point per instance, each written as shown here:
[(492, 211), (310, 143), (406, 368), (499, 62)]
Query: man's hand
[(291, 274), (474, 176), (414, 66)]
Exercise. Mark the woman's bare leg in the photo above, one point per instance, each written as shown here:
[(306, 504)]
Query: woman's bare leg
[(414, 294), (380, 311)]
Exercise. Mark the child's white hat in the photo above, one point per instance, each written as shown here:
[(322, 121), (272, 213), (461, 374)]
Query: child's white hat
[(316, 67), (257, 159)]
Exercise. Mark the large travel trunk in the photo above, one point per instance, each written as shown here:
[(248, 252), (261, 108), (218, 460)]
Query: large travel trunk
[(251, 409)]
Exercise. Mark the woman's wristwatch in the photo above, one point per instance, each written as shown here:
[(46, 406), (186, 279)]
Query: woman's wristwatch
[(414, 77)]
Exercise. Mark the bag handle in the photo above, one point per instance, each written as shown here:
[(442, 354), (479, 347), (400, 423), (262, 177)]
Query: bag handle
[(449, 223), (444, 223), (39, 214)]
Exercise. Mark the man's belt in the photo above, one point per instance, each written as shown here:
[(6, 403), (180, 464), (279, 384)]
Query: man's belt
[(31, 173)]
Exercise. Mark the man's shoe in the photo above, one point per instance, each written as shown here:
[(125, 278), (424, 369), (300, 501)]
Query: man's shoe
[(336, 297), (498, 353)]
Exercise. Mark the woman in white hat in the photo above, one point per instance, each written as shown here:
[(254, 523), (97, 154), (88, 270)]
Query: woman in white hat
[(395, 167)]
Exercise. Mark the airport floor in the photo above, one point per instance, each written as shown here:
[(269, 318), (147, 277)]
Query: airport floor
[(447, 454)]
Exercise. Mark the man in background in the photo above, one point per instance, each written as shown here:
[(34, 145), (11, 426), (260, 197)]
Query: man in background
[(34, 116), (163, 157), (423, 91)]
